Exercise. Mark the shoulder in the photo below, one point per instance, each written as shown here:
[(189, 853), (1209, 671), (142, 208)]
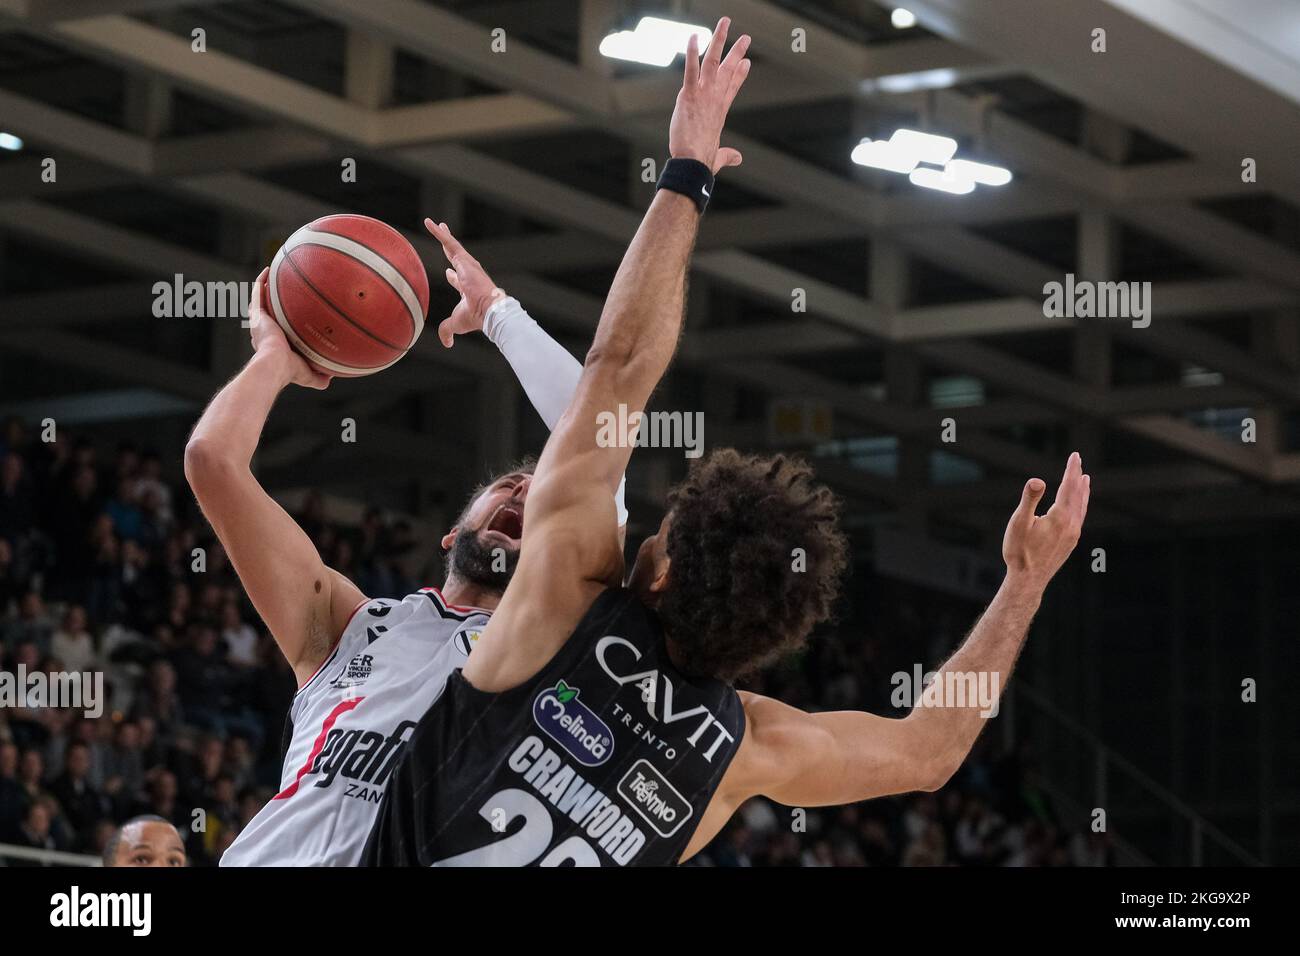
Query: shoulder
[(779, 740)]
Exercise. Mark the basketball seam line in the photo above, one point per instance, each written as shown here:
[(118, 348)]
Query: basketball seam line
[(343, 315), (417, 320)]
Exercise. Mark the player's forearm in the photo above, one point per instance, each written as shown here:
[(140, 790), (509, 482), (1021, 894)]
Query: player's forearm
[(948, 728), (546, 370), (642, 319), (231, 426)]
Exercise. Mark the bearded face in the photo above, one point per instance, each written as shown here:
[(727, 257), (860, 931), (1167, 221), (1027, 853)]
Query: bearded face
[(484, 547), (482, 559)]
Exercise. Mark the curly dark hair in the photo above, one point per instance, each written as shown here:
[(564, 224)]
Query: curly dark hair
[(739, 595)]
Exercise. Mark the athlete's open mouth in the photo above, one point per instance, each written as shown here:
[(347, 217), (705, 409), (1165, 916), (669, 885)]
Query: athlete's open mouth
[(509, 521)]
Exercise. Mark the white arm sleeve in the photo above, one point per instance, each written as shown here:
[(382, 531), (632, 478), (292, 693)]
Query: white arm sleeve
[(546, 370)]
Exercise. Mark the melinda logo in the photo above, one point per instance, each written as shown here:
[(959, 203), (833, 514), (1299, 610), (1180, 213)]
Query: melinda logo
[(573, 725)]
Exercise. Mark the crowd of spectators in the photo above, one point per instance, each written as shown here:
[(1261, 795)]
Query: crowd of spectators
[(106, 566)]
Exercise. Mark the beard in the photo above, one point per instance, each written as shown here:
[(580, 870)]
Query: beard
[(471, 559)]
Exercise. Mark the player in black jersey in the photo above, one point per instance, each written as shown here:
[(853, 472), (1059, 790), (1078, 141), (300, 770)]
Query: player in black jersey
[(596, 724)]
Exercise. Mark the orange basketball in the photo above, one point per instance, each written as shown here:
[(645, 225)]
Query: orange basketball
[(350, 293)]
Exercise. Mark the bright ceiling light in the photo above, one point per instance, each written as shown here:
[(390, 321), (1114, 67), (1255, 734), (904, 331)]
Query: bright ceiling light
[(902, 19), (903, 151), (940, 78), (926, 147), (980, 173), (906, 151), (882, 154), (654, 42), (942, 180), (10, 141)]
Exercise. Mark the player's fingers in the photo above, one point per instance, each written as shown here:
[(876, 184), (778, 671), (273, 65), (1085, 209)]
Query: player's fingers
[(454, 280), (447, 331), (1029, 498), (713, 55), (692, 75), (736, 53), (457, 251), (451, 247), (1067, 495), (726, 156), (258, 297), (437, 232), (738, 80)]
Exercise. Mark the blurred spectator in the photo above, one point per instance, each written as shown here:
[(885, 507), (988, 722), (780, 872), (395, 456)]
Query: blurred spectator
[(239, 638), (10, 585), (72, 643), (82, 804), (36, 831), (33, 623), (159, 703), (13, 796), (17, 499)]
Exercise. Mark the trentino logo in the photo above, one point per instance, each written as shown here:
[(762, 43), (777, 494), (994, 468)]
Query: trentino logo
[(573, 725), (650, 794)]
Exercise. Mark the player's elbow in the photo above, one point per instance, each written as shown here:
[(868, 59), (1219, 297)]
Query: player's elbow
[(620, 371), (935, 772), (205, 463)]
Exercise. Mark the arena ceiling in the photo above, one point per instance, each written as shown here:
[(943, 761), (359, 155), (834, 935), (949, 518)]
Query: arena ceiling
[(919, 306)]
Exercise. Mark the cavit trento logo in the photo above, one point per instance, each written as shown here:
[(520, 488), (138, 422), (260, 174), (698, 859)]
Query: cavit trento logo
[(74, 909), (573, 725), (657, 694)]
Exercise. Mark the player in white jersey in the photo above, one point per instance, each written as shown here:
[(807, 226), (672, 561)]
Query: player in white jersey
[(367, 669), (350, 723)]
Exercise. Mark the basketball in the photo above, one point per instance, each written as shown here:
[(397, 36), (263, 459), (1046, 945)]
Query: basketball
[(350, 293)]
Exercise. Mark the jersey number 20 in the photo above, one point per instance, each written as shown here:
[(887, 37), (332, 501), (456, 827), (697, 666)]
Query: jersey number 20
[(529, 843)]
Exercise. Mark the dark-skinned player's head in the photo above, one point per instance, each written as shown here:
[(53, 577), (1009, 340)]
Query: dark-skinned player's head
[(147, 840), (747, 561), (483, 546)]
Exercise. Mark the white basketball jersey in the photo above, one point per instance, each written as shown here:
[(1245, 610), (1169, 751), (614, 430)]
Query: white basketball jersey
[(350, 722)]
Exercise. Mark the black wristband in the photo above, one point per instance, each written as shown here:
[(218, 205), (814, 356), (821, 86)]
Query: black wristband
[(690, 177)]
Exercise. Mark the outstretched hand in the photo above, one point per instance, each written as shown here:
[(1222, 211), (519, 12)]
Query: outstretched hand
[(269, 339), (470, 279), (708, 89), (1035, 546)]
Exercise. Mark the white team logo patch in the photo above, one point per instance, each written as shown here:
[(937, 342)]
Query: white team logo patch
[(357, 671), (467, 637)]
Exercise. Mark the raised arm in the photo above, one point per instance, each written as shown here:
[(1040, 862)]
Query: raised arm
[(803, 759), (547, 372), (642, 318), (570, 547), (304, 604)]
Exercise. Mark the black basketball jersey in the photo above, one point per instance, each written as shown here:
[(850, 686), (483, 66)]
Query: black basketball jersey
[(608, 757)]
